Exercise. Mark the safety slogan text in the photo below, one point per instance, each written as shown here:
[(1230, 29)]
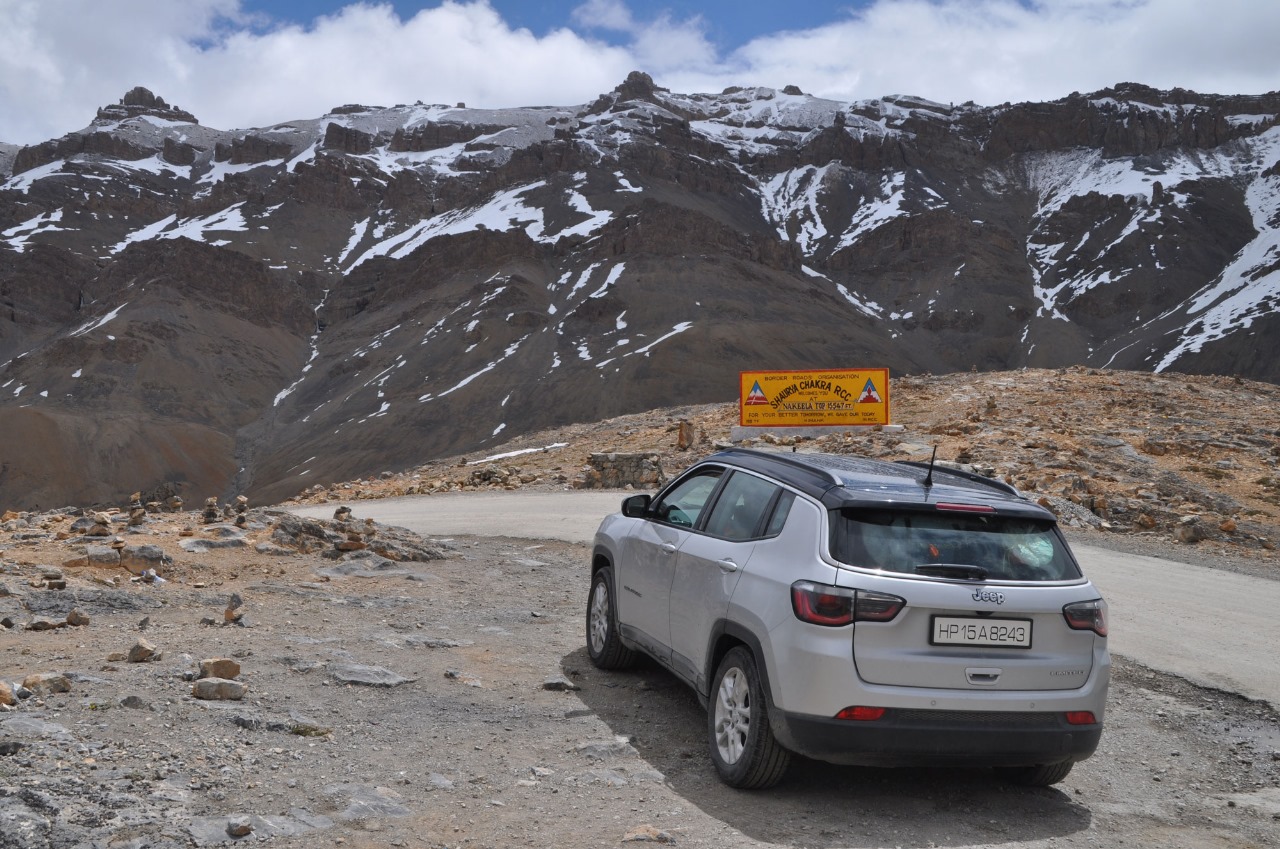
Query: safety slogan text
[(834, 398)]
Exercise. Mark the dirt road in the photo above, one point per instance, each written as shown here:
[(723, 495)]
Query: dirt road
[(1208, 626)]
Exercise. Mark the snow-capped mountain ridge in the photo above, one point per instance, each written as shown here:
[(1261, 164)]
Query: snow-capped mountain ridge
[(330, 296)]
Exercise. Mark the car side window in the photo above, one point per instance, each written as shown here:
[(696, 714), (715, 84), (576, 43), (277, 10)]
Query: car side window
[(739, 511), (780, 512), (683, 504)]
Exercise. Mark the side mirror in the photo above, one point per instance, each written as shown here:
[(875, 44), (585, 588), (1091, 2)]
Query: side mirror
[(636, 507)]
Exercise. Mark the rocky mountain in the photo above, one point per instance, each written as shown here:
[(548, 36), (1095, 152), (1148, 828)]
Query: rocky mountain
[(256, 311)]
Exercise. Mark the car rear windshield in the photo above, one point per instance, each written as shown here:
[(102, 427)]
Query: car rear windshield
[(951, 545)]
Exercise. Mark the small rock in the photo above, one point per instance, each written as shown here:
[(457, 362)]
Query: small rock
[(648, 834), (134, 703), (6, 695), (240, 826), (219, 690), (77, 618), (456, 675), (559, 683), (366, 676), (42, 623), (44, 683), (1189, 533), (219, 667), (142, 651)]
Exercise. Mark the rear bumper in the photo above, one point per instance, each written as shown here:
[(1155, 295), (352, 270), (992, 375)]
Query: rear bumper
[(919, 738)]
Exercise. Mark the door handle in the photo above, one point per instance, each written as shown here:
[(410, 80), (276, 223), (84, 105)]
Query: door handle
[(668, 548), (727, 565)]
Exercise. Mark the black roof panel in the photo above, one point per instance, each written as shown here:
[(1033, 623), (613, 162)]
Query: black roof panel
[(840, 480)]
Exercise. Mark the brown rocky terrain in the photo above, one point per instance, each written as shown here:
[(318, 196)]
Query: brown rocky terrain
[(1164, 460), (200, 678)]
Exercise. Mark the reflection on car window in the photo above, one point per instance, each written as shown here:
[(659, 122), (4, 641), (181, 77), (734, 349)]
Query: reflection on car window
[(739, 510), (1004, 547), (683, 504)]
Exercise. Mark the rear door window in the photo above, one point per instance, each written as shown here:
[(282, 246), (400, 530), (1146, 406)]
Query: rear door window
[(973, 546), (740, 511)]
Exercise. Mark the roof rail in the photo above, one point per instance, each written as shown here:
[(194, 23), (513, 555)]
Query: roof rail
[(826, 475), (961, 473)]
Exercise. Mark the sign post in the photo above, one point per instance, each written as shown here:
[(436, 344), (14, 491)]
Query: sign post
[(830, 398)]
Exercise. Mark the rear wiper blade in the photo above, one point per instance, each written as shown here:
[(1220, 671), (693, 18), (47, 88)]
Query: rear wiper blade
[(961, 571)]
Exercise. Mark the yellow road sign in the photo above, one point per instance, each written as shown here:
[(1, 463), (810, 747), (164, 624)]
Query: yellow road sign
[(834, 397)]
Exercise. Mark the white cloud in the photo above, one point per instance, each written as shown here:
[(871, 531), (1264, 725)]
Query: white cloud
[(61, 59), (604, 14), (992, 51)]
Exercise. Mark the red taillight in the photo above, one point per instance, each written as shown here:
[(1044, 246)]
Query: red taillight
[(1087, 616), (861, 713), (820, 604), (1081, 717)]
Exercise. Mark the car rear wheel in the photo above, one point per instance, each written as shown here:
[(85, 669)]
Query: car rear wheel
[(743, 748), (604, 646), (1040, 775)]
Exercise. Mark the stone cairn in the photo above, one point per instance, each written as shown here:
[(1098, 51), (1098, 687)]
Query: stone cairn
[(242, 507), (137, 513), (101, 525), (357, 538), (211, 512)]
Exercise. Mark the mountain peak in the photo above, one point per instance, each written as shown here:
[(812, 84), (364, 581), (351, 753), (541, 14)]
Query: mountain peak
[(141, 101), (637, 86)]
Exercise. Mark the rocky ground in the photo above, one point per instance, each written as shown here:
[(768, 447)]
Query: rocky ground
[(364, 687)]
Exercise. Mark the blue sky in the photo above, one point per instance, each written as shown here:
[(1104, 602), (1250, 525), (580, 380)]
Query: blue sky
[(727, 23), (239, 64)]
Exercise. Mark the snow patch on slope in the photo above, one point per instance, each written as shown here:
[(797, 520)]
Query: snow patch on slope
[(229, 219), (1247, 289)]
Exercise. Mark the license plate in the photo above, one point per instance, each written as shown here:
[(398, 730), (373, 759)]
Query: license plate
[(971, 631)]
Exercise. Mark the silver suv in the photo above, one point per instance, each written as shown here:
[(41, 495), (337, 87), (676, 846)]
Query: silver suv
[(857, 612)]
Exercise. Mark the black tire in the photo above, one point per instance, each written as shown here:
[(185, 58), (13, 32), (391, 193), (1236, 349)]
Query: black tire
[(1040, 775), (604, 646), (743, 748)]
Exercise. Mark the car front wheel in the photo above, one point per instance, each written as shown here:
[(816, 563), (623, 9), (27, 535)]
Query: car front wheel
[(743, 747), (604, 646)]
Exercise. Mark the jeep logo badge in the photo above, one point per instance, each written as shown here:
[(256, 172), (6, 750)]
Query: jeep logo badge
[(988, 595)]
